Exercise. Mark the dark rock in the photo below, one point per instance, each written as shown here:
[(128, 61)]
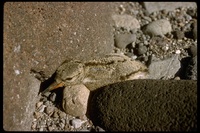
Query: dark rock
[(195, 30), (191, 71), (179, 34), (192, 12), (99, 129), (141, 50), (193, 50), (46, 94), (146, 105), (53, 97)]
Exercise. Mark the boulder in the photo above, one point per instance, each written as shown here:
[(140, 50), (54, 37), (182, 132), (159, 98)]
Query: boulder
[(146, 105)]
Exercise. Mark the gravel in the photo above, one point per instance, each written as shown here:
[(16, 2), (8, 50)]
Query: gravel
[(150, 37)]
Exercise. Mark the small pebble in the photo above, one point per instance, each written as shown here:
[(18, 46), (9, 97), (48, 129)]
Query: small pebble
[(50, 128), (55, 114), (49, 110), (62, 125), (47, 103), (76, 123), (41, 108), (34, 124), (43, 123), (49, 123), (178, 51), (46, 94), (141, 50), (62, 120), (195, 30), (44, 99), (38, 104), (133, 57), (179, 34), (53, 97), (99, 129), (193, 50), (177, 78), (62, 114), (37, 115), (41, 129)]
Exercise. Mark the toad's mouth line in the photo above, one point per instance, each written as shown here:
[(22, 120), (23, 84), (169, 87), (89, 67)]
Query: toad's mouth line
[(54, 86)]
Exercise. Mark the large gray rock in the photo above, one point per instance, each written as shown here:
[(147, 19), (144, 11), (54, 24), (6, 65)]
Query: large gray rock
[(165, 69), (158, 27), (146, 105), (126, 21), (169, 6), (41, 36)]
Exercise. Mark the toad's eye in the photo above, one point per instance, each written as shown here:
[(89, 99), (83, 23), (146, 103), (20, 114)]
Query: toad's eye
[(69, 78)]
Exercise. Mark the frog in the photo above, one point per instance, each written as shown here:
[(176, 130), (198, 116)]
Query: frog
[(98, 72)]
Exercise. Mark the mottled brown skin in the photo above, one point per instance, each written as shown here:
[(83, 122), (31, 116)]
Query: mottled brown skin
[(98, 72)]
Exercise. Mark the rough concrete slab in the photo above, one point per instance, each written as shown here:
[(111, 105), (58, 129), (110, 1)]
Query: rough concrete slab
[(40, 36), (169, 6)]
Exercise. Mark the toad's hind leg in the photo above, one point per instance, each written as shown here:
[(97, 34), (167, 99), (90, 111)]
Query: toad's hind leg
[(53, 86)]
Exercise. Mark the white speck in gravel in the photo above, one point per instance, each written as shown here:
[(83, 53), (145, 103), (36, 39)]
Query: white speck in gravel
[(178, 51), (17, 72), (17, 49)]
